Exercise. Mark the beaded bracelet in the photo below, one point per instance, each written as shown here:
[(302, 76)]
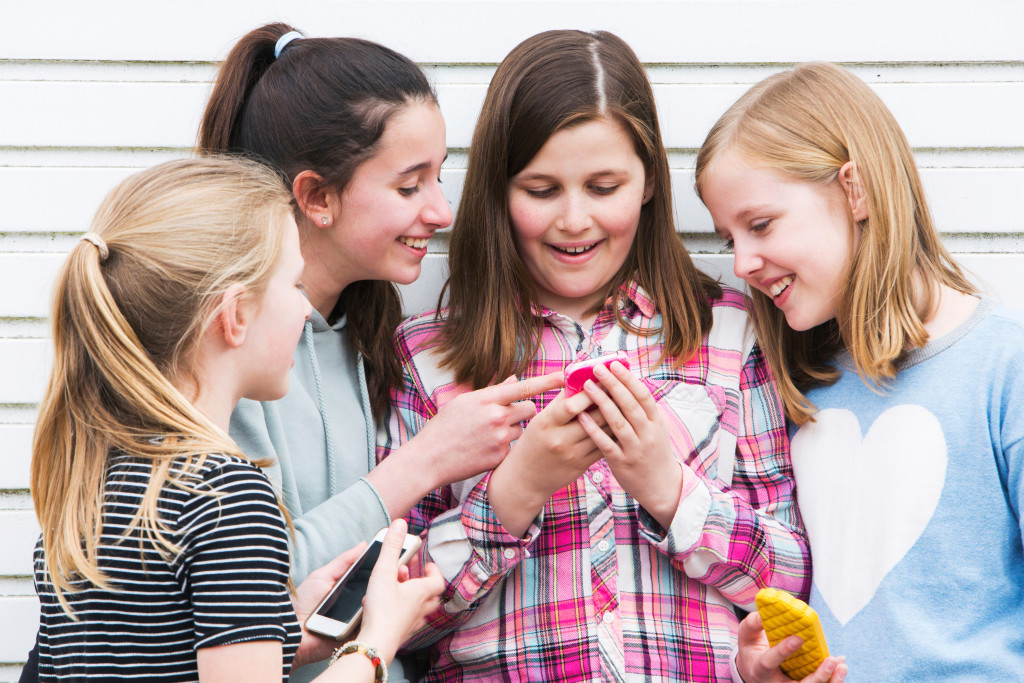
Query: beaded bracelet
[(371, 653)]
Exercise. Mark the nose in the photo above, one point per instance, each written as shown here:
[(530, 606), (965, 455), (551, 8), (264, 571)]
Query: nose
[(309, 308), (575, 215), (436, 211), (746, 261)]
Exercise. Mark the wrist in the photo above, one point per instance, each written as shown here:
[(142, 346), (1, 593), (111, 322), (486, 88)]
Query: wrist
[(420, 458), (386, 644), (368, 653), (662, 502)]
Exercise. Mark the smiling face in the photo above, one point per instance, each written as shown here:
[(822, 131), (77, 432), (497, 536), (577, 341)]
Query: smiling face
[(575, 208), (394, 204), (792, 240)]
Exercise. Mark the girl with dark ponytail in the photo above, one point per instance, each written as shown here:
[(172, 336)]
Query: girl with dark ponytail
[(355, 131)]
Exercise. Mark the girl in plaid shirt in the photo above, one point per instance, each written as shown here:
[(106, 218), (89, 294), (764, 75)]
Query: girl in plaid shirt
[(611, 544)]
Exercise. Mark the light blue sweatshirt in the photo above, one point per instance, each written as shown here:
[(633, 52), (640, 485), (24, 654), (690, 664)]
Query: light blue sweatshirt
[(912, 497)]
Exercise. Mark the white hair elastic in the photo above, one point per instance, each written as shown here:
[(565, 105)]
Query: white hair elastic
[(283, 41), (98, 242)]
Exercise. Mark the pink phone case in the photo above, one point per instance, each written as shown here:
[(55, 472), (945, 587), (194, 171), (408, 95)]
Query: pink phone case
[(576, 374)]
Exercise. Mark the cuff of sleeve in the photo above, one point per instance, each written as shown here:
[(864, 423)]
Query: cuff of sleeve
[(733, 671), (498, 548), (380, 501), (687, 524)]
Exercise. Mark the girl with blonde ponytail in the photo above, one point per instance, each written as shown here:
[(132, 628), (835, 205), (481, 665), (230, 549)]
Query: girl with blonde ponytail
[(164, 550)]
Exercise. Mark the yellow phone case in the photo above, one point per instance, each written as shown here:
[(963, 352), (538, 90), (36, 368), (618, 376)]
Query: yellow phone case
[(784, 616)]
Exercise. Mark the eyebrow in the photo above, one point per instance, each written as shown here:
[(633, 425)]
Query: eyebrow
[(544, 176), (420, 166)]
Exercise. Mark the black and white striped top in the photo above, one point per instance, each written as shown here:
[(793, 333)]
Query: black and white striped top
[(227, 585)]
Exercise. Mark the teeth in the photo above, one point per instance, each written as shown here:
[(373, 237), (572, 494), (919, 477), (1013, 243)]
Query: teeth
[(576, 250), (780, 285), (414, 242)]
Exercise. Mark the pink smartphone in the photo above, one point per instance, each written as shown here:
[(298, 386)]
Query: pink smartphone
[(576, 374)]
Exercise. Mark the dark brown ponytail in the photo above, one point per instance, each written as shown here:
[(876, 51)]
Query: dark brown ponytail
[(322, 105)]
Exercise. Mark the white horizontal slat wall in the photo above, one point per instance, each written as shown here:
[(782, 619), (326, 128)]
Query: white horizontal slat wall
[(93, 91)]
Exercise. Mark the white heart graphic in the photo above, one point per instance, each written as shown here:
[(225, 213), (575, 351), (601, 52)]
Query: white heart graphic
[(866, 501)]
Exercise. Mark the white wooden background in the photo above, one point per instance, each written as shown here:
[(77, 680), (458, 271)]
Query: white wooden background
[(91, 91)]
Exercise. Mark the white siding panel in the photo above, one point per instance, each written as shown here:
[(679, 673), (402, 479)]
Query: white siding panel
[(19, 620), (16, 452), (484, 30), (24, 367), (166, 115), (76, 191), (26, 280), (19, 535), (69, 114)]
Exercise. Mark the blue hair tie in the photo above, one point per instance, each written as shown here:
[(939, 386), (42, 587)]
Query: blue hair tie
[(283, 41)]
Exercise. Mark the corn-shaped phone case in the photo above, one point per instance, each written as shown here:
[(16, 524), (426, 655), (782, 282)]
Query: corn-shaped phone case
[(784, 616)]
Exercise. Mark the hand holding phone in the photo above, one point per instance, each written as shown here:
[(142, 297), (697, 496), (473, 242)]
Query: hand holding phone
[(338, 615), (576, 374)]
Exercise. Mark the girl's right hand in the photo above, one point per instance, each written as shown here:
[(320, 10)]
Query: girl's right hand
[(395, 606), (757, 662), (474, 431), (553, 452)]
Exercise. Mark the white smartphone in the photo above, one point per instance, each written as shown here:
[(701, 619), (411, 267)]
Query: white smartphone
[(338, 614)]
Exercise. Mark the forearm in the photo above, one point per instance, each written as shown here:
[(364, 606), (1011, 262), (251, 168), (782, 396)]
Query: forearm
[(515, 505), (738, 548), (337, 524), (405, 476)]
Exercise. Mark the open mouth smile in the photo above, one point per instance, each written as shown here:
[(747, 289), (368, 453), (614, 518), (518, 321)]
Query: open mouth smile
[(415, 242), (780, 285)]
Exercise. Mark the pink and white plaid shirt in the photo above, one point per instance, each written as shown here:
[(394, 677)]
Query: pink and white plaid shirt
[(598, 591)]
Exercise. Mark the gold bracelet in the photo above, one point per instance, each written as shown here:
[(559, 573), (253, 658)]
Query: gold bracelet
[(381, 675)]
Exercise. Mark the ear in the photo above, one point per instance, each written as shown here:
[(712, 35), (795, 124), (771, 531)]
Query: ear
[(233, 316), (849, 178), (648, 189), (314, 199)]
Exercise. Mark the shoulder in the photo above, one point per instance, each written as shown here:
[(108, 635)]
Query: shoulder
[(225, 475), (422, 331), (731, 329)]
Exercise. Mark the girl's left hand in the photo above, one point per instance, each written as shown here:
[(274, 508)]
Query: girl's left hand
[(635, 442)]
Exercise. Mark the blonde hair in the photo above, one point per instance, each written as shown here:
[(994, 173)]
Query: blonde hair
[(125, 323), (807, 123)]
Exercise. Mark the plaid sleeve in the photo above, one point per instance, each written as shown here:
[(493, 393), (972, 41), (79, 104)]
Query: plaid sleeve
[(749, 535), (461, 533)]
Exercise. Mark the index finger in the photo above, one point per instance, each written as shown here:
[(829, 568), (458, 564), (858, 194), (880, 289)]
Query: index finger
[(637, 388), (510, 392)]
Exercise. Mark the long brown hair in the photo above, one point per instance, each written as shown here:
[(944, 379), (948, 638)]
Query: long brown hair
[(807, 123), (322, 105), (549, 82), (127, 318)]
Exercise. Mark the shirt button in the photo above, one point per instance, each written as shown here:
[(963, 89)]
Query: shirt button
[(607, 617), (509, 553), (598, 477), (602, 546)]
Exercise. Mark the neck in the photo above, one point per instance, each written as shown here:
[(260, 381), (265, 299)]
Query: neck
[(323, 280), (950, 308), (212, 400)]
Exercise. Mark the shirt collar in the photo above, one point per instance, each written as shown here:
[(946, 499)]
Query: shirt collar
[(631, 295)]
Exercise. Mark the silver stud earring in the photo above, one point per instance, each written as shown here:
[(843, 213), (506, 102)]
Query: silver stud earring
[(325, 220)]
